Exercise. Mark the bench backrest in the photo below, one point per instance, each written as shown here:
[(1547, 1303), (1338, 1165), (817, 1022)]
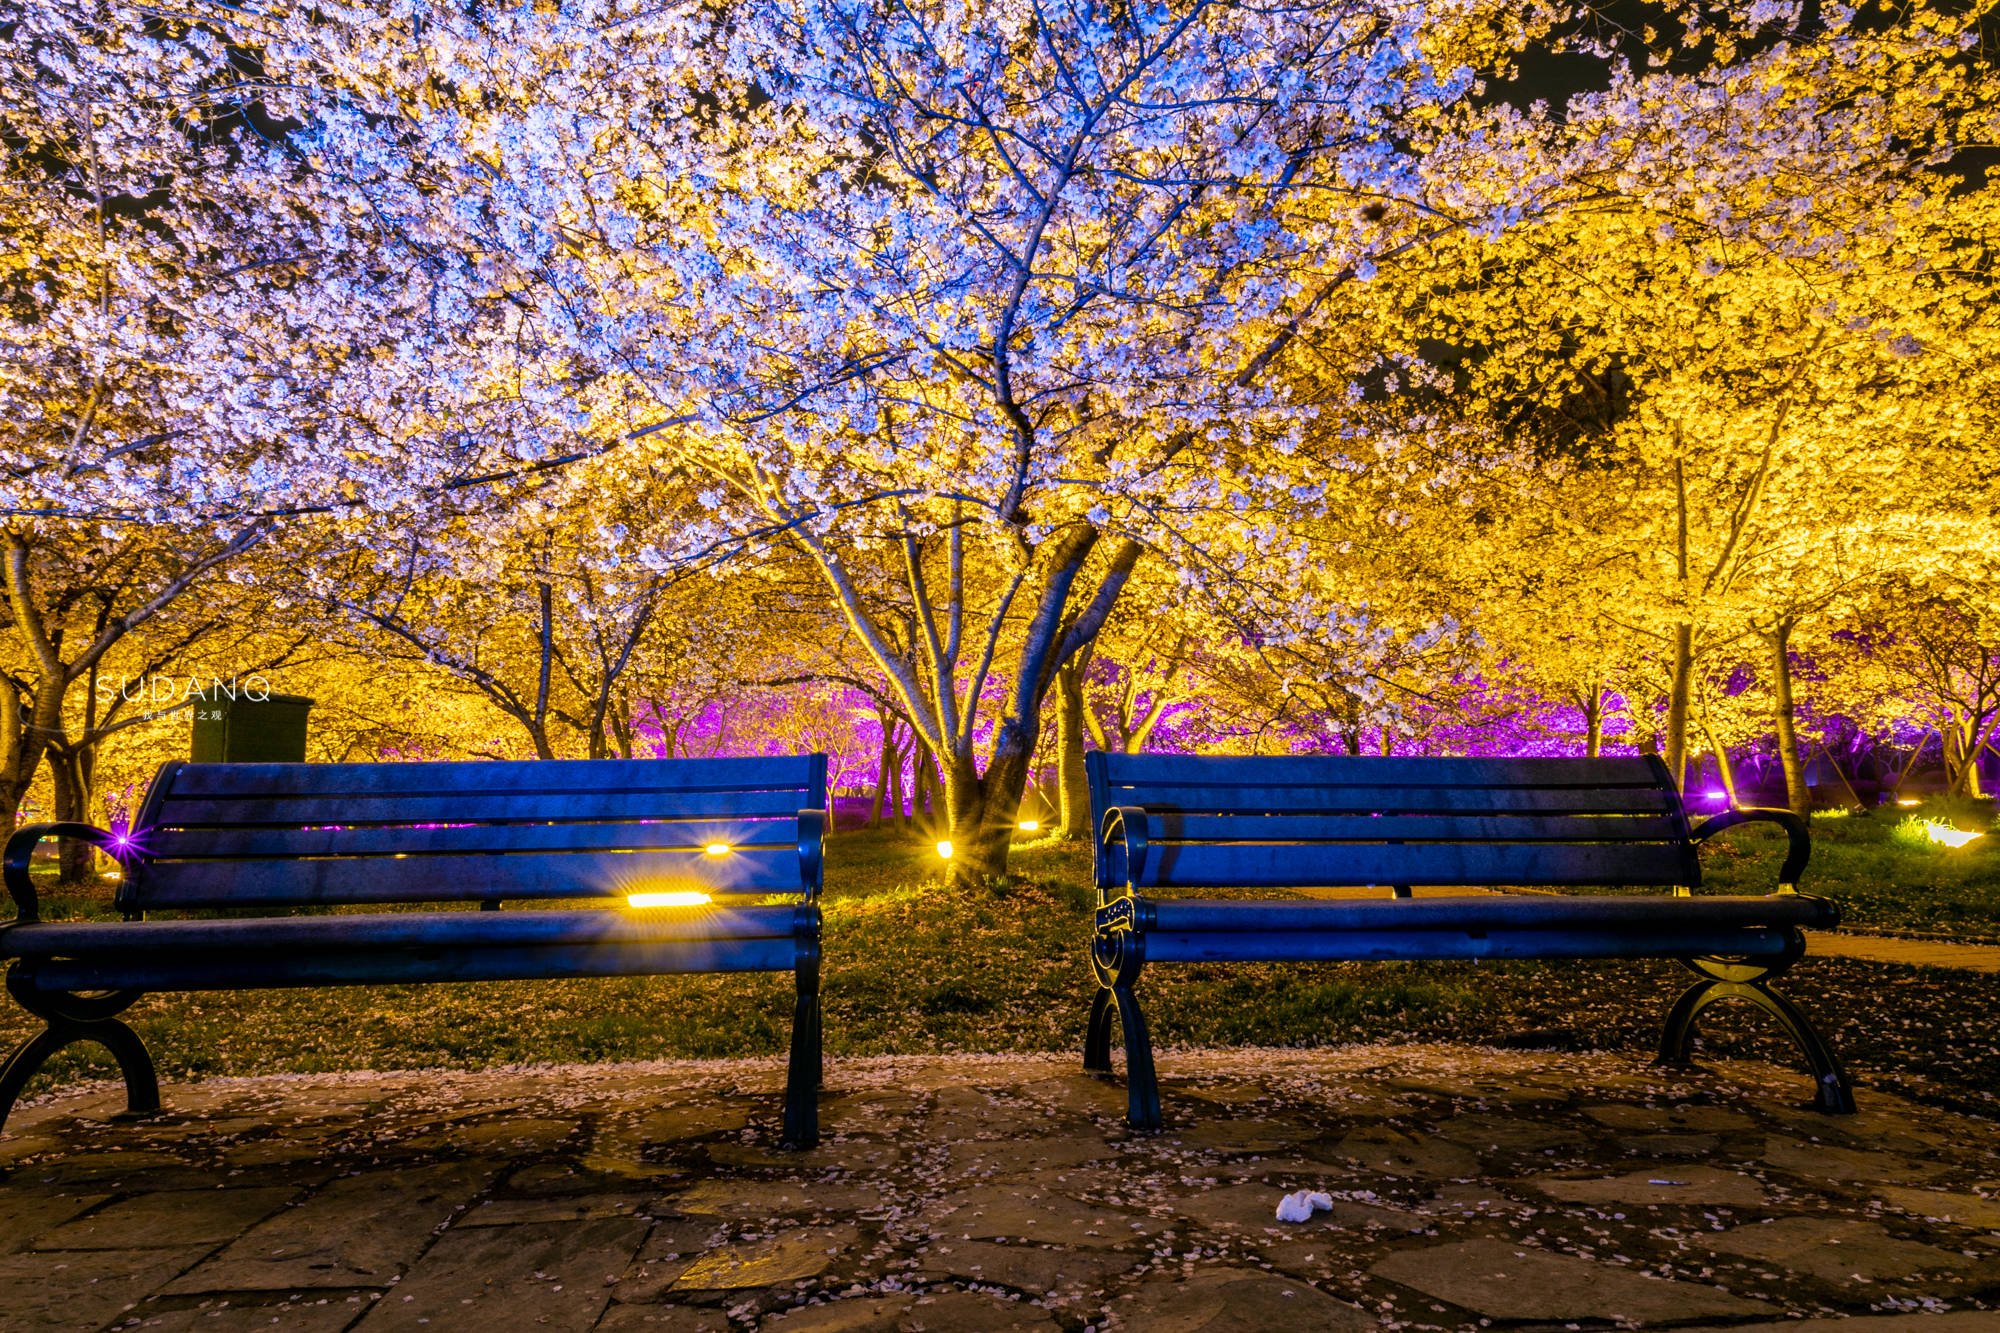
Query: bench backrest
[(295, 835), (1309, 821)]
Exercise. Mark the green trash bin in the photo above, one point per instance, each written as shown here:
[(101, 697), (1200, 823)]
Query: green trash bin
[(245, 730)]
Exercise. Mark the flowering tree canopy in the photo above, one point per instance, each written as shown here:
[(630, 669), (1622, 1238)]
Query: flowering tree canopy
[(1388, 344), (206, 319), (205, 325), (973, 302)]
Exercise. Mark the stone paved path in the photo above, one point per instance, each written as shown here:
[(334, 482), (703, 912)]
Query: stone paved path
[(1913, 953), (1470, 1188)]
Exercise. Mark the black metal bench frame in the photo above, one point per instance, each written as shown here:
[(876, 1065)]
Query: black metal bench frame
[(1197, 821), (274, 837)]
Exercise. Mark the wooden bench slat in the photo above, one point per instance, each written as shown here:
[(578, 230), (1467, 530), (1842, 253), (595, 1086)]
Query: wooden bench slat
[(168, 844), (1445, 945), (1526, 826), (1266, 865), (1365, 800), (371, 967), (457, 878), (471, 807), (1148, 770), (400, 930), (790, 773), (1490, 912)]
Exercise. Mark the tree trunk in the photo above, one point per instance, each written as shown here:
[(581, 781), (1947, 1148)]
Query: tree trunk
[(1959, 758), (1968, 733), (1141, 732), (538, 733), (1072, 788), (26, 738), (1677, 704), (14, 739), (28, 730), (621, 726), (1853, 797), (980, 831), (1723, 768), (928, 678), (927, 793), (1910, 765), (1779, 640), (538, 724), (1350, 730), (897, 794), (1593, 723), (1727, 771), (27, 743), (983, 809), (888, 757), (70, 769)]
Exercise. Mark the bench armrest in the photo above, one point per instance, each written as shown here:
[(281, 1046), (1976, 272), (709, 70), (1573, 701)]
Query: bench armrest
[(1801, 841), (21, 849), (812, 851), (1123, 840)]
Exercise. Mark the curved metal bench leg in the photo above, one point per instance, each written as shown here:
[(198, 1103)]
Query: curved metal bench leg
[(1833, 1092), (1677, 1032), (142, 1084), (819, 1045), (1097, 1037), (803, 1077), (1116, 956), (806, 1068), (1142, 1088)]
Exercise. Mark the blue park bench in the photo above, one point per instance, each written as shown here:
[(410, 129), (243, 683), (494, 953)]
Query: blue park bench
[(1177, 822), (276, 845)]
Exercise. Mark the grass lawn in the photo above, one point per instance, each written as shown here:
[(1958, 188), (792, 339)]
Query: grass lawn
[(913, 968), (1887, 874)]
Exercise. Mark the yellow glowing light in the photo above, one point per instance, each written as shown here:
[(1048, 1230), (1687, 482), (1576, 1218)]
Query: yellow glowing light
[(688, 899), (1909, 800), (1031, 824), (718, 849), (113, 874), (944, 850), (1949, 836)]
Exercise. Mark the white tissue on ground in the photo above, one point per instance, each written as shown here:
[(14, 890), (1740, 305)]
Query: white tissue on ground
[(1299, 1204)]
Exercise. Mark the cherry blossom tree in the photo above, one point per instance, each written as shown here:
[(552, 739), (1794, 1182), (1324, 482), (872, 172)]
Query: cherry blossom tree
[(1718, 398), (527, 595), (203, 330), (978, 313), (1943, 643), (93, 594), (207, 315), (975, 301)]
